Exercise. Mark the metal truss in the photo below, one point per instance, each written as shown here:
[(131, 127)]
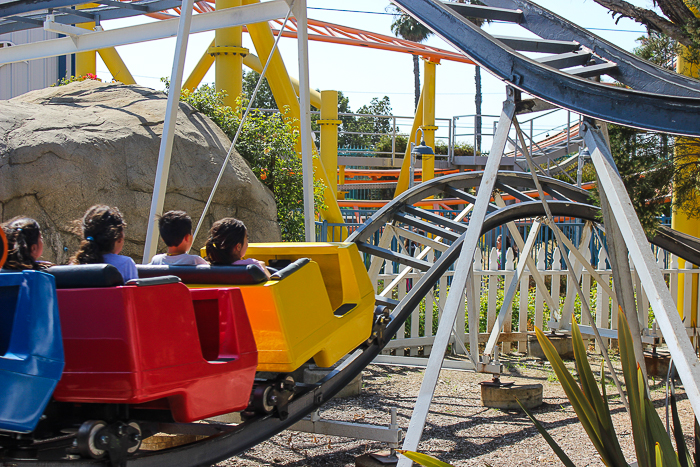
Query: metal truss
[(653, 99)]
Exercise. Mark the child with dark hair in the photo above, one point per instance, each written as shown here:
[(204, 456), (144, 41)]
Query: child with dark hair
[(227, 244), (25, 244), (103, 233), (176, 231)]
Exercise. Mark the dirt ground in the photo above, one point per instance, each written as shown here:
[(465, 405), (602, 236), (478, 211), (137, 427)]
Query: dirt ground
[(459, 430)]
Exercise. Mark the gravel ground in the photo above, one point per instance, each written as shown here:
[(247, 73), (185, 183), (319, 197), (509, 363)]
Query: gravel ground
[(459, 430)]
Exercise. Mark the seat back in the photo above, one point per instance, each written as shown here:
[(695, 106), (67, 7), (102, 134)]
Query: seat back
[(205, 274), (31, 349), (86, 276)]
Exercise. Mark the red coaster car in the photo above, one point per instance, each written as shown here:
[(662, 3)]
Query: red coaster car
[(153, 344)]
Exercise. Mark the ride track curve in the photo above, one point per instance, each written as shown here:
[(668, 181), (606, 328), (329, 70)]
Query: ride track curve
[(676, 102), (567, 201)]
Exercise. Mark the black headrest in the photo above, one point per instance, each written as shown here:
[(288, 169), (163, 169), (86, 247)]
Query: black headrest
[(205, 274), (291, 268), (84, 276)]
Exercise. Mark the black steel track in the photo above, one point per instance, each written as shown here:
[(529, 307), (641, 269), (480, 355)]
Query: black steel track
[(217, 448), (632, 70), (635, 108)]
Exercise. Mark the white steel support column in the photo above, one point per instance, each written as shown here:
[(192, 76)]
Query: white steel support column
[(307, 162), (585, 307), (650, 275), (459, 281), (166, 142)]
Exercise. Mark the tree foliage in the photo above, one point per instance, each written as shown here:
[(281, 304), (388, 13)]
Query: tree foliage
[(267, 143), (677, 21)]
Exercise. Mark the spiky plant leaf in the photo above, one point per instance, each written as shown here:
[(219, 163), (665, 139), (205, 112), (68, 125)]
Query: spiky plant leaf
[(599, 403), (552, 444), (683, 453), (423, 459), (659, 456), (642, 445), (582, 407)]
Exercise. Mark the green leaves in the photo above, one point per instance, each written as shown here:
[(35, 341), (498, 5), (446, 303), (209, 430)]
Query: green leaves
[(652, 444)]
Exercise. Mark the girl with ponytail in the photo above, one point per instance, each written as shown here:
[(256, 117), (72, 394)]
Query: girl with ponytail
[(24, 244), (103, 240)]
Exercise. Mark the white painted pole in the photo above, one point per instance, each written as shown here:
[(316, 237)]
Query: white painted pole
[(459, 282), (650, 275), (307, 162), (166, 142)]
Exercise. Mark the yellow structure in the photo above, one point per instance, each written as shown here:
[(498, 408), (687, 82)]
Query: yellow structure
[(329, 134), (680, 220), (116, 66), (403, 181), (86, 62), (228, 52), (322, 311), (428, 125)]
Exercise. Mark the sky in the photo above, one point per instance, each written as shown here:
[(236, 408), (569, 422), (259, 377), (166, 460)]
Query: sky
[(362, 74)]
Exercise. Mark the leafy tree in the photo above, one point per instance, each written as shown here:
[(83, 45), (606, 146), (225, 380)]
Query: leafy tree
[(360, 124), (405, 27), (267, 143), (678, 21), (264, 98)]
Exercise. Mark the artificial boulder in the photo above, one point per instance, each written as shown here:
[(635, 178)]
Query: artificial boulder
[(64, 149)]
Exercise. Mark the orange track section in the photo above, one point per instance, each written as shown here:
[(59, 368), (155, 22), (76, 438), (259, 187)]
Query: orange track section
[(336, 34), (437, 203)]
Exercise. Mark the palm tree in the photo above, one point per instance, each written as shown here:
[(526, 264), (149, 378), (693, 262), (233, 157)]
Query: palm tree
[(405, 27)]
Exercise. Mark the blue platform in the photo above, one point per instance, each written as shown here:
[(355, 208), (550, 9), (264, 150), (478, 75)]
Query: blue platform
[(31, 349)]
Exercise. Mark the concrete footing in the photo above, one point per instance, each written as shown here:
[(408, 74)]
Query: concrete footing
[(657, 364), (503, 397), (314, 374), (377, 459), (562, 343)]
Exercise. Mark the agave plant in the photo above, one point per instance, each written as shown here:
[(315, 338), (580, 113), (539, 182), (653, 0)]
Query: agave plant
[(652, 444)]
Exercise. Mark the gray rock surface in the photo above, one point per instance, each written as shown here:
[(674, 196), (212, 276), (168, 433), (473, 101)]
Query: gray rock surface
[(64, 149)]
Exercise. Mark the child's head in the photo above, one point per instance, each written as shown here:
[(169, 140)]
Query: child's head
[(227, 242), (175, 227), (25, 244), (103, 232)]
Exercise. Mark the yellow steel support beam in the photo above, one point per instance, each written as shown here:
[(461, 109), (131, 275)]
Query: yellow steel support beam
[(428, 126), (329, 135), (228, 53), (251, 61), (200, 69), (680, 219), (402, 184), (86, 62), (116, 65), (283, 91)]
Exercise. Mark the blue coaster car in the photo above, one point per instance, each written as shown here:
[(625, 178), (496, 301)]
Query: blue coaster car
[(31, 349)]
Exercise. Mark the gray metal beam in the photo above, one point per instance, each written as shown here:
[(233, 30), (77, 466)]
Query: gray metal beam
[(468, 10), (527, 44), (617, 104), (565, 60)]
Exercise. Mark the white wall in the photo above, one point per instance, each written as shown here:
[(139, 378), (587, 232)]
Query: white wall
[(19, 78)]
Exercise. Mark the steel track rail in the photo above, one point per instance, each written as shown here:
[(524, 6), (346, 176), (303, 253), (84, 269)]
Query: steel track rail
[(217, 448), (632, 70), (628, 107)]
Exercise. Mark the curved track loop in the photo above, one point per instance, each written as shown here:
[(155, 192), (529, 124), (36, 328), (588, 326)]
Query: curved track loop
[(673, 110), (568, 201)]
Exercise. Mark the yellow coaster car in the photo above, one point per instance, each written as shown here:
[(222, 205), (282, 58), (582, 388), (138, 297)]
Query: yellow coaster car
[(320, 305)]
